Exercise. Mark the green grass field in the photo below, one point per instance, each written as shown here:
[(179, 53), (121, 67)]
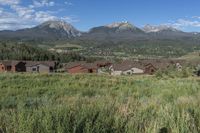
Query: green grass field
[(193, 56), (59, 103)]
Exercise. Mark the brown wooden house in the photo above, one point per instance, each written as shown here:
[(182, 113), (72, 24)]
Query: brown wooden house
[(81, 67), (150, 69), (12, 66)]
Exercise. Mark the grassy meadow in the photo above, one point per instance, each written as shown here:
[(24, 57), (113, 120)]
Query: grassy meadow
[(61, 103)]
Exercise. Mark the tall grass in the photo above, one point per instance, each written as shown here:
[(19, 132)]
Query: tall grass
[(36, 103)]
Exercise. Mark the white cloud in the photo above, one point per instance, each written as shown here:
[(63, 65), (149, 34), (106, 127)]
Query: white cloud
[(185, 23), (43, 16), (9, 2), (192, 23), (68, 3), (196, 17), (23, 12), (42, 3), (51, 3), (19, 16), (10, 21)]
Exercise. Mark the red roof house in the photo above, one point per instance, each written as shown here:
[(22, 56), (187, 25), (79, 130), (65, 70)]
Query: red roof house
[(81, 67)]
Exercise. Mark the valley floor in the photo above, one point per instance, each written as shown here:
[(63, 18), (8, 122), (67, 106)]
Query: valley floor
[(42, 103)]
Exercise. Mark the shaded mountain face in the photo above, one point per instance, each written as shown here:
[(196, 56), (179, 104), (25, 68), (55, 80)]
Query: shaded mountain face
[(50, 30)]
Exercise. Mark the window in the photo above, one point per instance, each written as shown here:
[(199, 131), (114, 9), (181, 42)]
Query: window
[(90, 71), (34, 69), (8, 68)]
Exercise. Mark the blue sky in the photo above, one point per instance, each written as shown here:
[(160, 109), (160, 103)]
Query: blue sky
[(85, 14)]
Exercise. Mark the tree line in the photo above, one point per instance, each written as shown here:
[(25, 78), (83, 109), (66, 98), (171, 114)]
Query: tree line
[(14, 51)]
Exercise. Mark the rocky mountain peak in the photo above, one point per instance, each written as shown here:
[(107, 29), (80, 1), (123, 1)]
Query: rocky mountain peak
[(121, 25), (61, 26)]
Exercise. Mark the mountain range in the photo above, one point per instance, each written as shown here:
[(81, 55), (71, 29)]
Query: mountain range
[(55, 30), (120, 37)]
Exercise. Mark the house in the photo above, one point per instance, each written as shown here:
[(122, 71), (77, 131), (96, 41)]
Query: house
[(40, 66), (150, 69), (81, 67), (140, 67), (127, 68), (12, 66), (162, 64), (150, 66), (27, 66)]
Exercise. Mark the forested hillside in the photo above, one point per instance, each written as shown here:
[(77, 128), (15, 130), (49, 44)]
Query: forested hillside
[(14, 51)]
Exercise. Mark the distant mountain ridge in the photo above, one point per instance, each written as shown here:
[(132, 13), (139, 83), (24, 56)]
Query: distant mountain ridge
[(109, 40), (118, 31)]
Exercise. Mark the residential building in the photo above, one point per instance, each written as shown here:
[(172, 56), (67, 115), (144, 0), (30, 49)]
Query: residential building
[(12, 66), (40, 66)]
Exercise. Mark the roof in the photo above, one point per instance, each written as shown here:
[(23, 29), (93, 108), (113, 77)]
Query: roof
[(29, 63), (121, 67), (10, 63), (82, 64), (134, 64), (161, 63), (127, 65), (142, 64), (89, 65), (46, 63)]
